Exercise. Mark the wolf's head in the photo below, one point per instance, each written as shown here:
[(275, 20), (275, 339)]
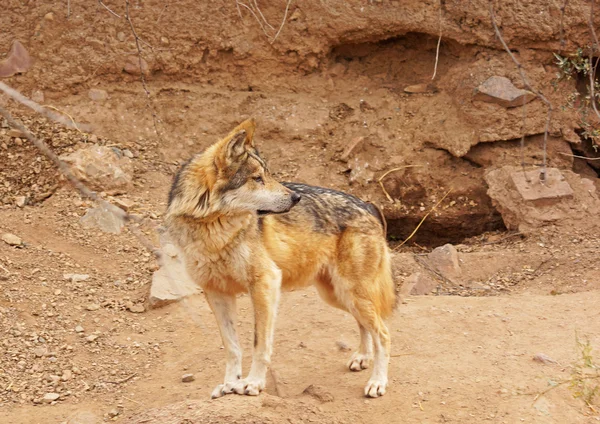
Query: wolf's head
[(228, 178)]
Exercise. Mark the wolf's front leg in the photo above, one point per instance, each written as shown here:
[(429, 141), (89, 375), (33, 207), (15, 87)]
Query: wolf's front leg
[(265, 299), (224, 308)]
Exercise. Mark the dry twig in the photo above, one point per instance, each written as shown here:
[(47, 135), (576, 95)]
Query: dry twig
[(287, 7), (109, 9), (380, 179), (82, 188), (149, 103), (562, 28), (11, 92), (528, 86), (437, 50), (592, 71), (577, 156), (423, 220)]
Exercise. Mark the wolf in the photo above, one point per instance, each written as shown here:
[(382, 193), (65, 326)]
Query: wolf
[(241, 231)]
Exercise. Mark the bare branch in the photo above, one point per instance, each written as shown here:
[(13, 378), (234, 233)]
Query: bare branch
[(562, 28), (437, 50), (142, 76), (528, 86), (82, 188), (287, 7), (41, 109), (108, 8), (592, 71), (256, 17), (262, 16)]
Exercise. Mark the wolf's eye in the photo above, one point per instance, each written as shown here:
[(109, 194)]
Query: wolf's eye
[(259, 180)]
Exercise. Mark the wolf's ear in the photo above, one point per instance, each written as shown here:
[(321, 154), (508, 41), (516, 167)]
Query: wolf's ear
[(237, 142)]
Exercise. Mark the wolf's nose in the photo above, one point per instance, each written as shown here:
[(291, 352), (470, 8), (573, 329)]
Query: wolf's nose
[(296, 198)]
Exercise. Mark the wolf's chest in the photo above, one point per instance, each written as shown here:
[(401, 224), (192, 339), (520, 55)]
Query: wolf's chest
[(222, 269)]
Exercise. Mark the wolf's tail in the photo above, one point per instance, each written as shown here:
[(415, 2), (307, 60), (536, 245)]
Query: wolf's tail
[(388, 297)]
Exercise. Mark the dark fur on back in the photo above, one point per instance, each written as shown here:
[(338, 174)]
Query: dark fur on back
[(331, 211)]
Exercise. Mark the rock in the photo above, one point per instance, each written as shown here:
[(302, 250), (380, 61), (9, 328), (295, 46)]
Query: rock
[(92, 307), (171, 282), (138, 308), (97, 94), (49, 16), (187, 378), (125, 204), (128, 153), (76, 278), (164, 41), (21, 201), (50, 397), (11, 239), (132, 65), (417, 284), (91, 338), (419, 89), (343, 346), (67, 375), (444, 260), (103, 168), (15, 133), (318, 393), (113, 413), (564, 199), (530, 186), (350, 148), (500, 90), (16, 62), (79, 329), (121, 36), (102, 218)]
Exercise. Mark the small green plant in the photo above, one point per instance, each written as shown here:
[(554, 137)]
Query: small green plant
[(579, 65), (585, 377)]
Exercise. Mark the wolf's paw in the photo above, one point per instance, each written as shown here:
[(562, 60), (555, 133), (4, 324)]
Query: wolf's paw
[(375, 388), (248, 386), (359, 361), (223, 389)]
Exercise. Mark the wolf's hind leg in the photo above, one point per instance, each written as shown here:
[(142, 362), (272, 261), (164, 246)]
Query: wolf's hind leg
[(224, 308)]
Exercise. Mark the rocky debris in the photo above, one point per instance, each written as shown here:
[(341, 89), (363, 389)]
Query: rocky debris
[(444, 259), (124, 203), (37, 96), (97, 94), (21, 201), (170, 282), (103, 218), (417, 284), (564, 198), (79, 329), (92, 307), (102, 168), (341, 112), (350, 148), (343, 346), (76, 278), (501, 90), (11, 239), (132, 65), (17, 61), (137, 308), (50, 397), (319, 393), (188, 378), (91, 338)]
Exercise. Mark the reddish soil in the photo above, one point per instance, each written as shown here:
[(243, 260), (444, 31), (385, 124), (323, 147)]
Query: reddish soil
[(330, 98)]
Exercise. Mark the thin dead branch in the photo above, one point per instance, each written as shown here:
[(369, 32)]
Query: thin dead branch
[(15, 95), (82, 188), (562, 27), (592, 71), (385, 174), (577, 156), (262, 16), (255, 16), (149, 103), (526, 83), (423, 220), (437, 50), (109, 9), (287, 8)]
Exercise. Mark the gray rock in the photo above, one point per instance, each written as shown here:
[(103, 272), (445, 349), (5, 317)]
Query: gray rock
[(102, 218), (500, 90), (445, 260)]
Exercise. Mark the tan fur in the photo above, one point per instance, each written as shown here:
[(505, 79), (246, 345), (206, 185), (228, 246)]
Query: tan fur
[(213, 217)]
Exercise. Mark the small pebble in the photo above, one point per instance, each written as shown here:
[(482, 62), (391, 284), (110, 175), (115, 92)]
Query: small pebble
[(188, 378)]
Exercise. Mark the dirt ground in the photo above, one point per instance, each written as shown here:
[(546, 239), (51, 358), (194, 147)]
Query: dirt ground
[(342, 96)]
